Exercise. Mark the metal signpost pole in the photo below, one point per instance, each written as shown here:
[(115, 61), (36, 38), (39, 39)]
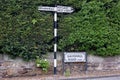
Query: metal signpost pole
[(56, 9), (55, 41)]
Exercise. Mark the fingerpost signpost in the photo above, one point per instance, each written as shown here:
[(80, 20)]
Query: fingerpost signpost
[(56, 9)]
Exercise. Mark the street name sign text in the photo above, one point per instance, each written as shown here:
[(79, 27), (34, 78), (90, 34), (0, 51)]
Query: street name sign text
[(75, 57)]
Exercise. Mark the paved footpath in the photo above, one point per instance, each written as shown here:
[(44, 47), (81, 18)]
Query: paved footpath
[(104, 78), (96, 75), (97, 78), (93, 78)]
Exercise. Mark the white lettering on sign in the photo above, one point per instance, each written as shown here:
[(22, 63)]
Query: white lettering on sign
[(58, 9), (46, 8), (75, 57), (64, 9)]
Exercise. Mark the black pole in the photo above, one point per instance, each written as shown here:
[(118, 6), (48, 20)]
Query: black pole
[(55, 41)]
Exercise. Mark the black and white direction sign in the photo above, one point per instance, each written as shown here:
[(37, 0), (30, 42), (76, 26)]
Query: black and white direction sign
[(64, 9), (46, 8), (58, 9)]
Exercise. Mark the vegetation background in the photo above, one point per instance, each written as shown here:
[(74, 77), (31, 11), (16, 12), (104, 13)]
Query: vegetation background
[(25, 32)]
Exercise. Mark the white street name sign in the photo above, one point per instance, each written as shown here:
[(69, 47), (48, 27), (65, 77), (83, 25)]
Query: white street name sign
[(75, 57), (58, 9)]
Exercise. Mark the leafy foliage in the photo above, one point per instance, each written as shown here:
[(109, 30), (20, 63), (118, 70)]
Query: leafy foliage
[(92, 30), (24, 31), (93, 27), (43, 64)]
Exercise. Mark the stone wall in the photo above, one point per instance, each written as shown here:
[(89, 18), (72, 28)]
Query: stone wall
[(15, 67), (18, 67)]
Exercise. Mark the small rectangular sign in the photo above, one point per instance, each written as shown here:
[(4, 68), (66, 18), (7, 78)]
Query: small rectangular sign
[(64, 9), (75, 57), (46, 8), (59, 9)]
